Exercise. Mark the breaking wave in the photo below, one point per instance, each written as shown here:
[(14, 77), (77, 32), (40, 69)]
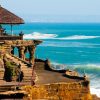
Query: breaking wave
[(78, 37), (37, 35), (95, 91), (91, 70)]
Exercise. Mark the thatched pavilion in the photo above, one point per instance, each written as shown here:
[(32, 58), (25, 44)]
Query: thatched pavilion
[(7, 17)]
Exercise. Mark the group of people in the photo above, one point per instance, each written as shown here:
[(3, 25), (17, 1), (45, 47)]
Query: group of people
[(19, 73)]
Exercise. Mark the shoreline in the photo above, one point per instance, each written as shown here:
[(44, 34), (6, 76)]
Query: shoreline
[(94, 94), (47, 75), (95, 97)]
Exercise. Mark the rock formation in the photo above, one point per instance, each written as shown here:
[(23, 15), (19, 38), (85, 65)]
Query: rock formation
[(49, 84), (59, 91)]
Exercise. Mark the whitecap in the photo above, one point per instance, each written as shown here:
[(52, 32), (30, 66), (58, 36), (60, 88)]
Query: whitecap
[(95, 91), (94, 79), (78, 37), (58, 66), (37, 35)]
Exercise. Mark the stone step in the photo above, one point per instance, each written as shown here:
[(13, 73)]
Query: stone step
[(23, 67), (6, 47), (1, 75), (22, 64), (1, 72), (1, 78), (26, 75), (5, 88), (27, 72), (26, 80), (25, 83), (26, 69)]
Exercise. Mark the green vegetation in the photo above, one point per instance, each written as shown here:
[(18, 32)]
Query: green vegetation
[(9, 71), (11, 67)]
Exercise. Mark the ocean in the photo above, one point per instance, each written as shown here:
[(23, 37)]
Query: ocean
[(67, 45)]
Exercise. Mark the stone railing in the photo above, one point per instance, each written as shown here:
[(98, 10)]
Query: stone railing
[(20, 59), (22, 42), (2, 38)]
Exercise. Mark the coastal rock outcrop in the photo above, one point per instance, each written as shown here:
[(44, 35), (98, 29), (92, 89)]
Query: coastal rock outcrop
[(51, 84), (59, 91)]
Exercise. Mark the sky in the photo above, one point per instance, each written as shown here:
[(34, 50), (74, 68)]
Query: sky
[(55, 10)]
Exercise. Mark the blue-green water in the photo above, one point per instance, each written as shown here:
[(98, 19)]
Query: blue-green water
[(75, 46)]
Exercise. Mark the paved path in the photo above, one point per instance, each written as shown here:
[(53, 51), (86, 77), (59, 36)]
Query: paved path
[(46, 76)]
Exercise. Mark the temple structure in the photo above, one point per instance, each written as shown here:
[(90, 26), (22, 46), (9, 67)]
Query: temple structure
[(8, 18), (8, 43), (16, 71)]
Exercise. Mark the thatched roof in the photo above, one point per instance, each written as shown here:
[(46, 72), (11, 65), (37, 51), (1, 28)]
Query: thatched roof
[(7, 17)]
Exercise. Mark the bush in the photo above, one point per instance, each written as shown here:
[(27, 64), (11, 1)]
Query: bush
[(9, 71)]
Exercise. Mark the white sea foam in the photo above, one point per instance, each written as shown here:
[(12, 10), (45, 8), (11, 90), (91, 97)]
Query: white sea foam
[(78, 37), (94, 79), (37, 35), (95, 91), (58, 66), (89, 66)]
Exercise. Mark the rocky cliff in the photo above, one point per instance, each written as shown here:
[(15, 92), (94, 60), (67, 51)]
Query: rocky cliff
[(59, 91), (49, 84)]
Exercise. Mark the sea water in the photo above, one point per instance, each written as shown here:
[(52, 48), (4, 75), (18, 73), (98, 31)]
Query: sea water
[(68, 45)]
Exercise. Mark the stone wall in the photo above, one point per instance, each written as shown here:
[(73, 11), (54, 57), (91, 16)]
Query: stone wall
[(22, 42), (2, 38), (59, 91)]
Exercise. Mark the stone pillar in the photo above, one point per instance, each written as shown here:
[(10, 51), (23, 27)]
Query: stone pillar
[(12, 50), (21, 50), (31, 52), (26, 49)]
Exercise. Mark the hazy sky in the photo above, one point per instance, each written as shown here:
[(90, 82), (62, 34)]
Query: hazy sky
[(55, 10)]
